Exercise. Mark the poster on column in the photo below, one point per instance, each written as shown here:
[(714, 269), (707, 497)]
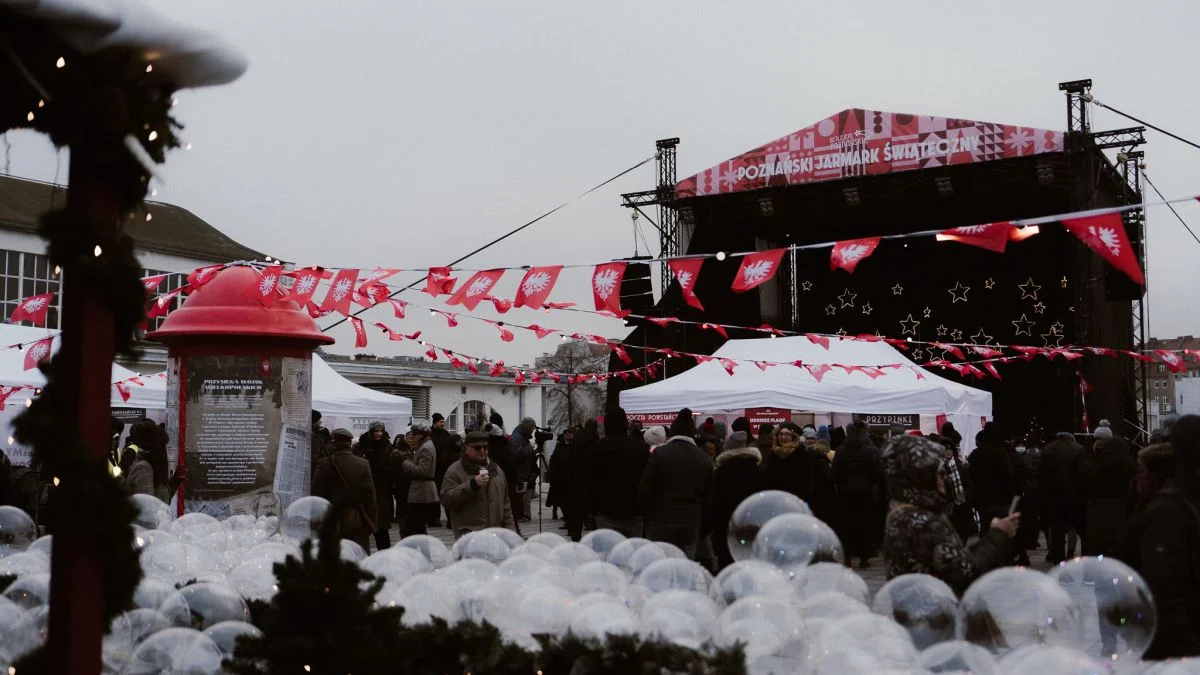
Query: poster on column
[(242, 450)]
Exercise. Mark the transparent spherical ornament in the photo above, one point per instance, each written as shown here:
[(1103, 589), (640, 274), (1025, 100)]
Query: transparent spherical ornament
[(532, 548), (1057, 659), (621, 555), (957, 656), (17, 530), (424, 596), (643, 557), (202, 605), (524, 566), (601, 619), (1188, 666), (254, 579), (506, 535), (571, 555), (602, 541), (685, 618), (796, 539), (867, 633), (822, 577), (146, 539), (430, 547), (924, 605), (457, 547), (23, 564), (42, 545), (247, 538), (823, 608), (396, 564), (241, 521), (176, 650), (29, 592), (747, 578), (1117, 615), (351, 551), (178, 563), (471, 570), (303, 519), (151, 593), (754, 512), (226, 633), (126, 632), (599, 577), (19, 632), (274, 551), (765, 625), (544, 610), (671, 550), (485, 546), (1013, 607), (153, 513), (192, 526), (673, 574), (216, 543), (548, 539)]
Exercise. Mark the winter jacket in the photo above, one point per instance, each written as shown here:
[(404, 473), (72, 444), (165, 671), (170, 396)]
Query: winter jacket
[(141, 481), (1164, 546), (1060, 470), (447, 453), (737, 477), (344, 478), (789, 469), (1158, 466), (378, 454), (616, 465), (676, 488), (472, 508), (520, 447), (918, 537), (856, 466), (1106, 490), (993, 478), (421, 468), (570, 479)]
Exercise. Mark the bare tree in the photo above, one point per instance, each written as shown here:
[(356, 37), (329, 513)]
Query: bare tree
[(571, 402)]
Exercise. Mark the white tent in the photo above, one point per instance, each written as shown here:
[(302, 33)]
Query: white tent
[(900, 391)]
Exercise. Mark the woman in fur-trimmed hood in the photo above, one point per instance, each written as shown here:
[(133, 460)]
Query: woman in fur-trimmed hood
[(737, 477)]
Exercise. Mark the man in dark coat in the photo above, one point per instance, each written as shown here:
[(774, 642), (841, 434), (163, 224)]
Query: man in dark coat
[(675, 493), (570, 480), (736, 478), (616, 465), (992, 475), (447, 453), (346, 481), (786, 466), (317, 446), (1106, 482), (1060, 470), (376, 447), (1164, 545), (857, 475)]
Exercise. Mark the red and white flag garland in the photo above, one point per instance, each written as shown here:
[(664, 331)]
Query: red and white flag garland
[(475, 289), (536, 286), (439, 282), (687, 272), (305, 285), (847, 254), (151, 284), (1105, 234), (341, 292), (991, 236), (33, 309), (268, 281), (360, 332), (606, 286), (38, 352), (757, 269)]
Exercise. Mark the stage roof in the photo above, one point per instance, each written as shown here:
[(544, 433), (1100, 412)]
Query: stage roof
[(859, 142)]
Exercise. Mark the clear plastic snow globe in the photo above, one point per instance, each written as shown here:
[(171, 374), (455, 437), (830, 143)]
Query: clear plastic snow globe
[(643, 557), (765, 625), (29, 592), (957, 656), (203, 605), (753, 513), (396, 564), (193, 526), (547, 539), (42, 545), (226, 633), (432, 548), (1057, 659), (547, 609), (599, 577), (746, 578), (150, 593), (1117, 615), (422, 597), (924, 605), (869, 634), (533, 548), (602, 541), (178, 563), (571, 555), (673, 574), (601, 619), (524, 566), (821, 577), (1013, 607), (176, 650), (621, 555), (17, 530), (303, 519), (18, 631), (23, 564), (685, 618), (487, 546), (153, 513), (796, 539), (125, 633), (506, 535)]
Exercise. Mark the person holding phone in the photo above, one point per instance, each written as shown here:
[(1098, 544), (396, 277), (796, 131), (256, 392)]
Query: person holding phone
[(475, 489), (918, 536)]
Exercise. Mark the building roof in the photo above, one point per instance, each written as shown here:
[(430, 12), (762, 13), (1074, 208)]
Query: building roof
[(1174, 344), (172, 230), (409, 367)]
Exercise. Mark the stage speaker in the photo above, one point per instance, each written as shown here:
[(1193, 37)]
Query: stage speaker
[(637, 293)]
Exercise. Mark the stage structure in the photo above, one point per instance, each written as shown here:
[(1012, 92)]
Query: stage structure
[(864, 173)]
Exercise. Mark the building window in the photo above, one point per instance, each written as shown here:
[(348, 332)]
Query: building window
[(469, 413), (27, 274), (1161, 368)]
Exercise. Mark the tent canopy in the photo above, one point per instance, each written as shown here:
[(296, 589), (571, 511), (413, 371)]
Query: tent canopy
[(899, 391)]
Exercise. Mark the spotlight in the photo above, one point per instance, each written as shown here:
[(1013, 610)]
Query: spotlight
[(721, 255), (851, 196), (765, 206), (944, 188)]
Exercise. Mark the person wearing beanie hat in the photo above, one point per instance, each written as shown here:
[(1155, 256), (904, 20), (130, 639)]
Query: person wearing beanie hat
[(1103, 430), (655, 436), (346, 481), (376, 447), (736, 441), (675, 492), (737, 477), (1164, 544), (611, 476)]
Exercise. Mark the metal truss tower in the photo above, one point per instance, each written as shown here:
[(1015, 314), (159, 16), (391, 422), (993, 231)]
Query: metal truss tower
[(664, 197)]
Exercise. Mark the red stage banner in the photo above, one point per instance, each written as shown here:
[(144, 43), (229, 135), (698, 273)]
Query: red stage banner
[(775, 416), (860, 142)]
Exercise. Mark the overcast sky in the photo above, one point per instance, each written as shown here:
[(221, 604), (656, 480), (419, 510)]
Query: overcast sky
[(403, 134)]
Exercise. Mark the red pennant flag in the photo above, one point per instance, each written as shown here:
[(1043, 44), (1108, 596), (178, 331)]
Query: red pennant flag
[(559, 305), (1102, 351), (539, 331), (162, 304), (1174, 363), (535, 378), (1140, 357), (847, 254), (431, 352), (767, 328), (992, 236), (360, 332), (378, 274), (728, 365), (687, 271), (123, 390), (1105, 234), (453, 358), (986, 352), (958, 354), (663, 321), (496, 369), (757, 269), (451, 317), (369, 295), (316, 312), (622, 354), (471, 366), (475, 289), (606, 286), (502, 305), (439, 282), (716, 328), (818, 340), (505, 334), (38, 352), (520, 377), (763, 365), (652, 370), (865, 337), (341, 292), (536, 286), (1085, 386), (873, 373), (992, 369), (268, 281), (305, 285), (398, 306), (203, 275), (700, 358), (818, 372), (33, 309), (151, 284), (5, 392)]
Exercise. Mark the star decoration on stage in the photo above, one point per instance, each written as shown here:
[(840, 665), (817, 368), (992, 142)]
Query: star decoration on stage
[(958, 293), (981, 338), (1063, 282), (1040, 308), (847, 298), (909, 326), (897, 290), (841, 332), (1024, 326), (806, 286), (830, 310), (918, 355), (941, 331), (956, 335), (1056, 328), (1029, 290), (1071, 308), (1052, 339), (927, 312), (989, 284), (867, 309)]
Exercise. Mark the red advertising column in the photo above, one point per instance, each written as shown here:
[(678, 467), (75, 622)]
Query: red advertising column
[(239, 397)]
